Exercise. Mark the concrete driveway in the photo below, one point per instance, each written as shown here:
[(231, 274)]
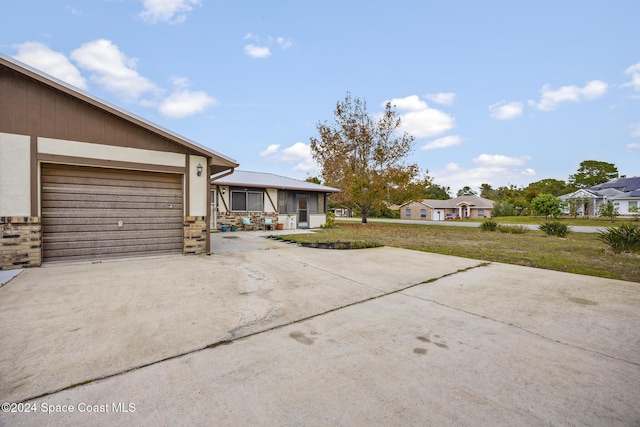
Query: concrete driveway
[(263, 333)]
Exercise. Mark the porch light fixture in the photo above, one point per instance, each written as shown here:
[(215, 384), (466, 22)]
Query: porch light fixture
[(199, 169)]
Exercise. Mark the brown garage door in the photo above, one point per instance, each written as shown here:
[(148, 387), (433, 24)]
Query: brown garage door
[(93, 213)]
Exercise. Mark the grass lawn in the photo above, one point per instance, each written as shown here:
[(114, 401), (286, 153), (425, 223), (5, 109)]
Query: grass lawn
[(570, 221), (580, 253)]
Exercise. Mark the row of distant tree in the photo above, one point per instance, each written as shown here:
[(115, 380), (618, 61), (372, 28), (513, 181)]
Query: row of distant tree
[(365, 156)]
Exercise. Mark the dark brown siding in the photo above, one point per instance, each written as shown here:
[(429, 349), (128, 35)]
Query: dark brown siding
[(81, 207), (36, 109)]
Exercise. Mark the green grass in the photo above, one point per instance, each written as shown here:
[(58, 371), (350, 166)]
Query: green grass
[(581, 253), (570, 221)]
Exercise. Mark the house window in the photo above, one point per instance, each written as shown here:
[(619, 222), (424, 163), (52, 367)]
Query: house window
[(246, 201), (633, 205), (407, 213), (480, 213), (423, 213)]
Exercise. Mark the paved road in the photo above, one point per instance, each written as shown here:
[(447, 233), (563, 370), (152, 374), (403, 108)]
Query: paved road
[(462, 223)]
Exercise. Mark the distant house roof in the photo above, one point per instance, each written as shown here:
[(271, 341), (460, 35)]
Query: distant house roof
[(220, 161), (269, 180), (621, 188), (622, 184), (474, 201)]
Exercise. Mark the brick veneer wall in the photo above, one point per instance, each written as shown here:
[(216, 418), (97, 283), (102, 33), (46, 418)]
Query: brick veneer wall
[(195, 235), (236, 217), (20, 242)]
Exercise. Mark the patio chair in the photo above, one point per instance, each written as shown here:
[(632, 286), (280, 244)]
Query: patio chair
[(268, 224), (248, 224)]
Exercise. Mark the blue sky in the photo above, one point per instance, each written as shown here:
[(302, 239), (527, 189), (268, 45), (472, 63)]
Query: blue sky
[(502, 92)]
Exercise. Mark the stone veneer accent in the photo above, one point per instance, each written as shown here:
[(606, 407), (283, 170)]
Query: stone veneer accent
[(195, 235), (20, 242)]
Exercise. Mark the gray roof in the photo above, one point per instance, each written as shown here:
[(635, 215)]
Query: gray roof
[(475, 201), (269, 180), (621, 188)]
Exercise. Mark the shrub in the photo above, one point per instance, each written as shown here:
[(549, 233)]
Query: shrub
[(489, 225), (624, 238), (331, 220), (546, 204), (555, 228), (513, 229), (503, 208)]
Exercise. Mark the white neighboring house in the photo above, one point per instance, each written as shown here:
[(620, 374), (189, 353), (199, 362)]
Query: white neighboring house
[(624, 193)]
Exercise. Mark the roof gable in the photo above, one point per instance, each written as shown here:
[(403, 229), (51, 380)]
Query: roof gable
[(17, 69)]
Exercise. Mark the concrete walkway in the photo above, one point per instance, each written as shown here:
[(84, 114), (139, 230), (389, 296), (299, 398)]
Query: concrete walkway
[(278, 334)]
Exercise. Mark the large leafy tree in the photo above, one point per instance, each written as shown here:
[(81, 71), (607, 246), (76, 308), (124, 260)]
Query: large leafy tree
[(546, 204), (593, 172), (364, 155)]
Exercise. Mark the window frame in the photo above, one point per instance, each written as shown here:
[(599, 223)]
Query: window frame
[(247, 200)]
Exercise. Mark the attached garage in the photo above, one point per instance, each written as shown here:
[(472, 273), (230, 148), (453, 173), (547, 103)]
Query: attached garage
[(97, 213), (81, 179)]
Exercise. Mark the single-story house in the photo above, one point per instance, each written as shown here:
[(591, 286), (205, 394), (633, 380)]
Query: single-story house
[(624, 193), (83, 179), (259, 196), (438, 210)]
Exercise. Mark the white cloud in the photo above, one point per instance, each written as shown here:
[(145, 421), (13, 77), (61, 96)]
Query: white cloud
[(635, 130), (113, 70), (284, 43), (183, 103), (261, 46), (633, 146), (500, 160), (257, 51), (444, 98), (551, 99), (495, 174), (271, 150), (54, 63), (506, 110), (299, 153), (634, 71), (446, 141), (420, 120), (172, 11)]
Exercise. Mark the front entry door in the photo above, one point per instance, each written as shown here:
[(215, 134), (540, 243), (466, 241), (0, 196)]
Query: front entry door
[(302, 203)]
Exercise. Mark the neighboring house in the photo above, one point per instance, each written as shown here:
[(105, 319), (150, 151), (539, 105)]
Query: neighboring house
[(82, 179), (624, 193), (437, 210), (291, 202)]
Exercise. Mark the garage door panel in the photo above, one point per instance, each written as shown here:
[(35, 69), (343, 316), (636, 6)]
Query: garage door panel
[(104, 222), (81, 208), (114, 252), (132, 204), (55, 171), (112, 198), (113, 213), (60, 181)]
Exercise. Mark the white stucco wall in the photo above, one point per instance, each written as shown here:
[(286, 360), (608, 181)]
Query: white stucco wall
[(15, 175), (273, 193), (110, 152), (198, 186), (316, 220)]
